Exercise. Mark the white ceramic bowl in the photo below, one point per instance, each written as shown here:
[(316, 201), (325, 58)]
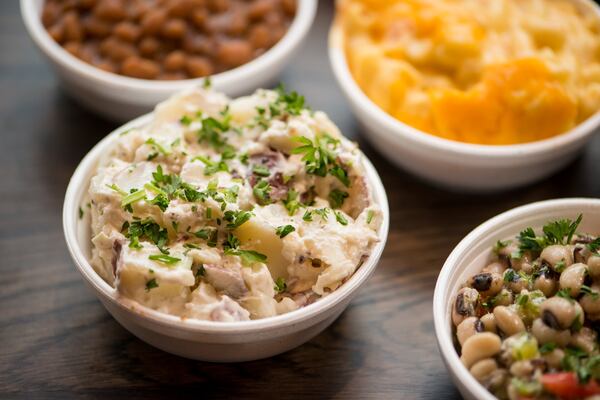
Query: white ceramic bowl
[(122, 98), (454, 164), (470, 256), (208, 340)]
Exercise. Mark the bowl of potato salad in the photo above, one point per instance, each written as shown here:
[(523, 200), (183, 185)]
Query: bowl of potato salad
[(226, 229)]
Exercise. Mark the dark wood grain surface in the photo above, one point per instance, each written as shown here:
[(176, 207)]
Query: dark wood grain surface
[(57, 341)]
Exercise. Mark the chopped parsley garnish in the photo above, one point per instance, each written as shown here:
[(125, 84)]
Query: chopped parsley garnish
[(565, 293), (283, 231), (588, 290), (370, 215), (510, 276), (236, 218), (212, 167), (289, 102), (319, 157), (547, 347), (117, 189), (146, 229), (500, 244), (151, 284), (585, 366), (186, 120), (594, 246), (339, 217), (80, 212), (337, 197), (556, 232), (164, 258), (262, 192), (158, 146), (307, 216), (280, 285), (248, 257), (212, 130), (261, 170), (291, 202), (204, 233), (207, 83), (208, 213), (134, 196)]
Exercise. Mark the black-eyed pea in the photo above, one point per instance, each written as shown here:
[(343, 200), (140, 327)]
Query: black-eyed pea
[(482, 369), (504, 298), (554, 358), (580, 253), (486, 283), (469, 327), (480, 346), (557, 256), (496, 267), (573, 277), (489, 322), (521, 368), (514, 281), (546, 285), (585, 340), (525, 260), (558, 313), (590, 302), (545, 334), (508, 321), (593, 263), (465, 304)]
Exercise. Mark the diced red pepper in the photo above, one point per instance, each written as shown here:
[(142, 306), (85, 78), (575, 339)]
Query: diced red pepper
[(566, 386)]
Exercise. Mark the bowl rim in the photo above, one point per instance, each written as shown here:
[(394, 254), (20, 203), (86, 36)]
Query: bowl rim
[(106, 292), (453, 264), (296, 32), (402, 131)]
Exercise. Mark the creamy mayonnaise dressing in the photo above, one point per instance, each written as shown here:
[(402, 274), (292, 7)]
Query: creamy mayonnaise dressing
[(231, 210)]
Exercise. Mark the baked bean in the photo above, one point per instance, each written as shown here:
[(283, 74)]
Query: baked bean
[(72, 27), (73, 47), (480, 346), (468, 328), (174, 61), (465, 304), (183, 38), (116, 49), (198, 67), (127, 31), (110, 10), (140, 68), (149, 46), (508, 321), (233, 53), (56, 32), (573, 278), (483, 369), (97, 27), (489, 322), (545, 334), (259, 9), (260, 36), (153, 20), (557, 256), (174, 29)]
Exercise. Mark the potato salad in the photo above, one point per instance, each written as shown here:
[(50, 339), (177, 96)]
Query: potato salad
[(231, 210)]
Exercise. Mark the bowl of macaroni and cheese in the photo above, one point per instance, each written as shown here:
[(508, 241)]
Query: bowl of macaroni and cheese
[(226, 229), (471, 95)]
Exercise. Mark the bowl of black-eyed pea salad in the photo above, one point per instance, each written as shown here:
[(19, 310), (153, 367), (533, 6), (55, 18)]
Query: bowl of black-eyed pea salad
[(517, 304)]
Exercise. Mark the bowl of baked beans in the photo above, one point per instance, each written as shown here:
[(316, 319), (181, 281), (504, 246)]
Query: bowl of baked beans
[(121, 57)]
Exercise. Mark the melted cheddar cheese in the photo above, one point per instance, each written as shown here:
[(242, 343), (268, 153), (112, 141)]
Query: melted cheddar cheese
[(489, 72)]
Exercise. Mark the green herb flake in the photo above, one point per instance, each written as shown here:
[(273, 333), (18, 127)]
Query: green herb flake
[(164, 258), (134, 196), (80, 212), (547, 347), (262, 192), (370, 215), (283, 231), (261, 170), (280, 285), (337, 197), (236, 218), (339, 217), (151, 284)]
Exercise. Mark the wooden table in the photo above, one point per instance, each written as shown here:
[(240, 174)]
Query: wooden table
[(57, 341)]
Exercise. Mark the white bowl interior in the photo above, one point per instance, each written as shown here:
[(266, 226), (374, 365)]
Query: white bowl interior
[(471, 255), (228, 81), (77, 235)]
